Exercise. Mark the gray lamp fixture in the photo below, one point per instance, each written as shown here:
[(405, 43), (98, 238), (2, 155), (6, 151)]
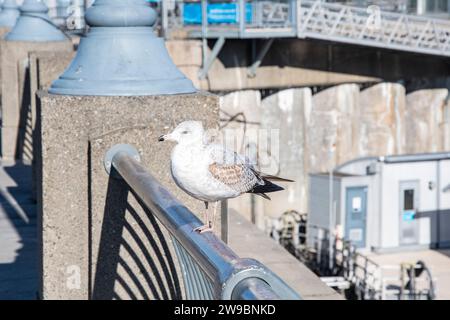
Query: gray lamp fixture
[(34, 24), (9, 14), (121, 56)]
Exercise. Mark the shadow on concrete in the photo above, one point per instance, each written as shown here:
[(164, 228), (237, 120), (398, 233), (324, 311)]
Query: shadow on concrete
[(439, 227), (134, 260), (24, 143), (18, 234)]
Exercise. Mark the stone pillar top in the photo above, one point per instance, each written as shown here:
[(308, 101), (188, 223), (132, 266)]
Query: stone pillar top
[(121, 56), (34, 24), (120, 13)]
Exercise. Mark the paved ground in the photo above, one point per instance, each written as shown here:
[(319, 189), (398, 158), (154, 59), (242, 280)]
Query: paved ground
[(244, 238), (437, 261), (18, 258)]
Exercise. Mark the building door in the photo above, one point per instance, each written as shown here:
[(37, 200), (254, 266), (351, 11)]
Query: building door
[(409, 203), (356, 216)]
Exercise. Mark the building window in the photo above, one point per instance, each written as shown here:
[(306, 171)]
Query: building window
[(408, 202)]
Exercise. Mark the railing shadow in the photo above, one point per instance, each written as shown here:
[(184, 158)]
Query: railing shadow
[(135, 260), (18, 238), (24, 143)]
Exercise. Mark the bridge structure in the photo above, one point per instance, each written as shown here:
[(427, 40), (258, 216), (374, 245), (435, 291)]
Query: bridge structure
[(305, 19)]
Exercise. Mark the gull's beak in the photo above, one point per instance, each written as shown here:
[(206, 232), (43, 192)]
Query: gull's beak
[(162, 138)]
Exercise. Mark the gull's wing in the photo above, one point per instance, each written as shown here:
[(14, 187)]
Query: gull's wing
[(233, 169)]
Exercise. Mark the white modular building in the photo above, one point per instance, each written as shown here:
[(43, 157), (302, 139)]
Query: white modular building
[(384, 203)]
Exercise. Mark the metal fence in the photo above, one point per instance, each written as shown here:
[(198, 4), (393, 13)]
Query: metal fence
[(346, 269), (210, 269), (68, 15)]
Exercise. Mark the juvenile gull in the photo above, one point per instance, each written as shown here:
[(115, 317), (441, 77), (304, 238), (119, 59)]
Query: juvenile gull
[(211, 173)]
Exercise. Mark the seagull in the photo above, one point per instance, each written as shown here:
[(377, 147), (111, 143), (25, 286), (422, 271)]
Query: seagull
[(211, 173)]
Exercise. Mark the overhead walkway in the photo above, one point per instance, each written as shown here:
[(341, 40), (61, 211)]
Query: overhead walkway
[(317, 20)]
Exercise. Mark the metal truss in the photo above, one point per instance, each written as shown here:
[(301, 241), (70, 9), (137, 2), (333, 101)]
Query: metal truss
[(372, 27)]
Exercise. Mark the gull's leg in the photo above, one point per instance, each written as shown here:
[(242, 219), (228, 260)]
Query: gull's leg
[(213, 220), (206, 227)]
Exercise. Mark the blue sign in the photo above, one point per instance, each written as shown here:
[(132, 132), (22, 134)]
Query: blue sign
[(217, 13), (408, 215)]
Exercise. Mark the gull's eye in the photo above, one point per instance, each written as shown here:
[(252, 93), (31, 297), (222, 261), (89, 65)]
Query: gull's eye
[(185, 132)]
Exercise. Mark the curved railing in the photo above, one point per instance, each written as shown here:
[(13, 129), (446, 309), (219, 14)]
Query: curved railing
[(210, 269)]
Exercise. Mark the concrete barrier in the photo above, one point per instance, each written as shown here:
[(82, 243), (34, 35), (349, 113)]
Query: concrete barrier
[(285, 117), (382, 109), (30, 34), (333, 130), (445, 128), (423, 116)]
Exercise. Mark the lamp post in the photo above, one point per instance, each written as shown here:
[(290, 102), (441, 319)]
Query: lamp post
[(9, 14), (34, 24), (121, 56)]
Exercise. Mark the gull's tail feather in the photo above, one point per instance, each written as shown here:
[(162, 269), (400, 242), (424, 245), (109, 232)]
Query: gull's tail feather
[(267, 187), (274, 178)]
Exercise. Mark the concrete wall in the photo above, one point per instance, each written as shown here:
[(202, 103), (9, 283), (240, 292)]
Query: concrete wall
[(285, 117), (445, 128), (380, 120), (382, 109), (423, 117), (334, 122)]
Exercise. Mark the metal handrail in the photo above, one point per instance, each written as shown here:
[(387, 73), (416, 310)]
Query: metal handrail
[(210, 268)]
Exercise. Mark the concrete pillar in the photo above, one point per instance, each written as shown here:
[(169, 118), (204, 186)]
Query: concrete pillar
[(30, 34), (89, 221), (382, 120), (422, 119), (241, 135), (285, 117), (333, 130), (45, 66), (445, 128), (97, 241)]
